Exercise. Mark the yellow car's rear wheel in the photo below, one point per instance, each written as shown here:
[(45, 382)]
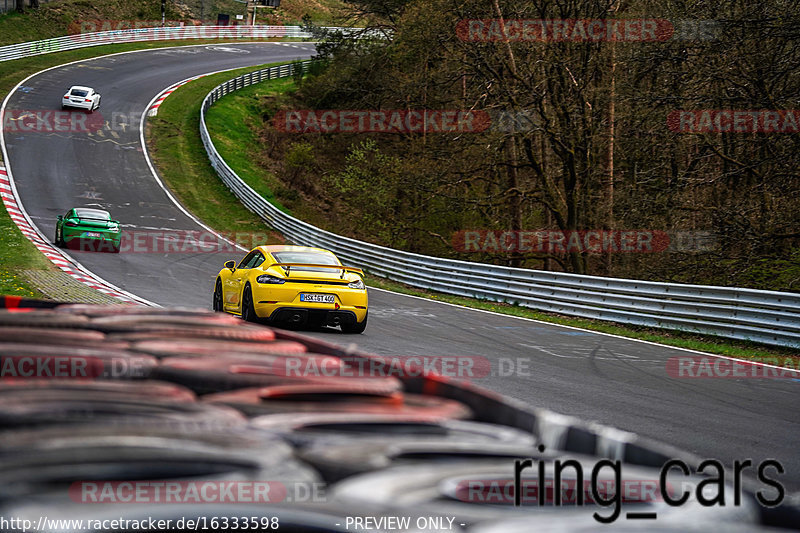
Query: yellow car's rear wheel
[(248, 312), (216, 304), (356, 327)]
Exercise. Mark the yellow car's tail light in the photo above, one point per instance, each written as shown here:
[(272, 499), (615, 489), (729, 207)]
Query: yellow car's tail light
[(266, 278)]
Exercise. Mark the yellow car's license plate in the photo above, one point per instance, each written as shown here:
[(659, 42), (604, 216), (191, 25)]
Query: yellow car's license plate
[(318, 298)]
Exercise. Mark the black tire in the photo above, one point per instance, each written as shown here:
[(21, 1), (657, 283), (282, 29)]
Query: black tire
[(248, 311), (208, 375), (260, 401), (73, 362), (307, 429), (107, 310), (216, 303), (45, 318), (39, 409), (214, 348), (243, 333), (65, 337), (55, 470), (28, 440), (38, 390), (358, 327), (160, 322), (59, 241), (338, 460)]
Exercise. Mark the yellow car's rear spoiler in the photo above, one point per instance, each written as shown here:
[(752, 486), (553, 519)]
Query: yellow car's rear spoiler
[(288, 267)]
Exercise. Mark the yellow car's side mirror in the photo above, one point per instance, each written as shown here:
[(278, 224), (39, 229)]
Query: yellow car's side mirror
[(231, 265)]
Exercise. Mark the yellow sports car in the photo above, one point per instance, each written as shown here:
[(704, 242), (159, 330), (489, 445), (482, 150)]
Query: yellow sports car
[(293, 284)]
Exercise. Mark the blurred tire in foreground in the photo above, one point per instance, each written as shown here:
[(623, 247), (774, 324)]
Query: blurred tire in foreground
[(206, 375), (326, 397)]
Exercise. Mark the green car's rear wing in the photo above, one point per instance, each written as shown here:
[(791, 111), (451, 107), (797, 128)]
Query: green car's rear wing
[(106, 220)]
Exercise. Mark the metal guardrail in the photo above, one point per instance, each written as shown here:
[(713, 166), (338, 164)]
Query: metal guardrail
[(84, 40), (761, 316)]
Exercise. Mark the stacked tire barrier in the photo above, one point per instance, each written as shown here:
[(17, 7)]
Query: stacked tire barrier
[(767, 317), (115, 415)]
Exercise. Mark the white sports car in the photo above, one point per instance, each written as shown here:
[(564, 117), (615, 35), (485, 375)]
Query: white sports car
[(82, 97)]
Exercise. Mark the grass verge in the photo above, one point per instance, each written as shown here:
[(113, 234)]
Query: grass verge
[(226, 120), (173, 141), (18, 254), (238, 145)]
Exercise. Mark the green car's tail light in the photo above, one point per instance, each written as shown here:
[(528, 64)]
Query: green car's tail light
[(266, 278), (70, 224)]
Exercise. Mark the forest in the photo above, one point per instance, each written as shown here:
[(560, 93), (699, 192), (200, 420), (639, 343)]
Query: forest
[(638, 139)]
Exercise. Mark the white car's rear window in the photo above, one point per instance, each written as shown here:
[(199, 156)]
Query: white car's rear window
[(78, 92)]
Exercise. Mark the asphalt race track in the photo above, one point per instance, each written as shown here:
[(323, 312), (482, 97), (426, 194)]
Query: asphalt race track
[(614, 381)]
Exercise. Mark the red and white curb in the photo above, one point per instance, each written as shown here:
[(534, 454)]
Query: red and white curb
[(153, 111), (75, 270)]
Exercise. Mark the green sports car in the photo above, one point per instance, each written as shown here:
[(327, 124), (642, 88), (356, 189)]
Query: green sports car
[(90, 228)]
